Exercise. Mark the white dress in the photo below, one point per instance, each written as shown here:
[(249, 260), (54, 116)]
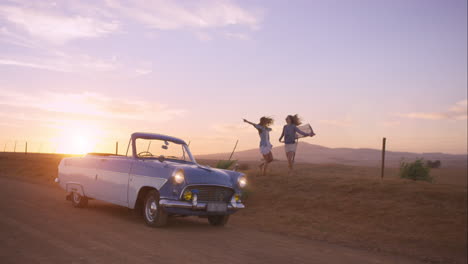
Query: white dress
[(265, 145)]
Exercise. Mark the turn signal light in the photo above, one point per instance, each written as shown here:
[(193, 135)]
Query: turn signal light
[(188, 195)]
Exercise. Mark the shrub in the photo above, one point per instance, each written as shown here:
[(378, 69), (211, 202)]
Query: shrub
[(433, 164), (417, 171), (224, 164)]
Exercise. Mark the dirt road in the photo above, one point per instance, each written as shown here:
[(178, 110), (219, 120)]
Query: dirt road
[(37, 225)]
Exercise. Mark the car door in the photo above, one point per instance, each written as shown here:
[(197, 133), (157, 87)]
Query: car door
[(112, 179)]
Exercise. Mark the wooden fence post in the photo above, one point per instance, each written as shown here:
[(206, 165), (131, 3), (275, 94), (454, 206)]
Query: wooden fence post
[(26, 148), (232, 153), (384, 140), (14, 148), (116, 148)]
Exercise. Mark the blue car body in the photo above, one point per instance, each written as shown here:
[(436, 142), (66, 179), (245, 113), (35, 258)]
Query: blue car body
[(122, 179)]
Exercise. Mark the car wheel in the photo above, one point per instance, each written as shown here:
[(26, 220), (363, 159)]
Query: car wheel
[(153, 213), (79, 200), (218, 220)]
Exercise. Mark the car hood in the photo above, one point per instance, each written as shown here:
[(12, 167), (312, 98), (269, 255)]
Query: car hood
[(198, 174)]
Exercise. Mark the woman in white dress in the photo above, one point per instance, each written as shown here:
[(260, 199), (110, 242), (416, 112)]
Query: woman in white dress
[(264, 129)]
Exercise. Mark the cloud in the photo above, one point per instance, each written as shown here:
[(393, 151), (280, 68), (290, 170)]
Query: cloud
[(30, 65), (64, 21), (140, 72), (339, 123), (56, 28), (203, 36), (458, 111), (239, 36), (11, 37), (169, 15), (46, 26), (63, 63), (85, 106)]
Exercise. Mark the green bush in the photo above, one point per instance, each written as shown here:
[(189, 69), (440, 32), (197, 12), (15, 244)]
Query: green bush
[(417, 171), (225, 164)]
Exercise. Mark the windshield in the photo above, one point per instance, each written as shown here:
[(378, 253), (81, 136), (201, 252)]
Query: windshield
[(156, 148)]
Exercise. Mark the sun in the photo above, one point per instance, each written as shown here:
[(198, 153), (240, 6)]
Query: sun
[(79, 144), (77, 139)]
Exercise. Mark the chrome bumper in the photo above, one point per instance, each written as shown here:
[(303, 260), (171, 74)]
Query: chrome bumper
[(195, 205)]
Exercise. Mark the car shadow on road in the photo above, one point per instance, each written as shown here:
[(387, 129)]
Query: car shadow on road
[(130, 216)]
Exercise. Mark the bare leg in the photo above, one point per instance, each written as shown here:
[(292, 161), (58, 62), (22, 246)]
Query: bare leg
[(293, 155), (290, 162), (261, 165), (268, 158)]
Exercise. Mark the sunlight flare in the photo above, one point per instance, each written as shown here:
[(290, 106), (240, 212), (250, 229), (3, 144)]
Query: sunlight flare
[(77, 139)]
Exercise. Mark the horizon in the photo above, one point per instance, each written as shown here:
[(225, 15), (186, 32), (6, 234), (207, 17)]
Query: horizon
[(316, 145), (20, 149), (77, 77)]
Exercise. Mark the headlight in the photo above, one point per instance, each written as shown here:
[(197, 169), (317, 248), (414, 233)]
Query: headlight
[(179, 176), (242, 181)]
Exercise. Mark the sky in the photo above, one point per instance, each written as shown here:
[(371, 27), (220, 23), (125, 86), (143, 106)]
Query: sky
[(77, 76)]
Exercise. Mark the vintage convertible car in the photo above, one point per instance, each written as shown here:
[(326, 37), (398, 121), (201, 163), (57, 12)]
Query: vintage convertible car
[(158, 177)]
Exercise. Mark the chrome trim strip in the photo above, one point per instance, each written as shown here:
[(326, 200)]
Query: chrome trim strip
[(198, 206)]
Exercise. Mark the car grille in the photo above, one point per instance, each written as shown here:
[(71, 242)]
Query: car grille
[(207, 193)]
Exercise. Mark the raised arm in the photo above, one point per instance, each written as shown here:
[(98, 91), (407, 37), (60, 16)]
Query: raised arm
[(248, 122), (302, 132), (257, 126)]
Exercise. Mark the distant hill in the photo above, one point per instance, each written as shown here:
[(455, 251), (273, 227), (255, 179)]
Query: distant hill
[(310, 153)]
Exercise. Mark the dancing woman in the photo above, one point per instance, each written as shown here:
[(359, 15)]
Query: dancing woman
[(289, 134), (263, 128)]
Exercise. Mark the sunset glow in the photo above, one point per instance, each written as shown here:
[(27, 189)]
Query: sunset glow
[(75, 144), (81, 76), (77, 139)]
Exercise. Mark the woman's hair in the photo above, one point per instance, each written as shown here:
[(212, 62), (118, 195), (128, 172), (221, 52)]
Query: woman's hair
[(295, 119), (266, 122)]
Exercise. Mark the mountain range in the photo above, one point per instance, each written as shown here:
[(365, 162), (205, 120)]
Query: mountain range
[(310, 153)]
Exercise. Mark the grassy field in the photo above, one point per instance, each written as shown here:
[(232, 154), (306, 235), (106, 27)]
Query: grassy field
[(352, 206), (340, 204)]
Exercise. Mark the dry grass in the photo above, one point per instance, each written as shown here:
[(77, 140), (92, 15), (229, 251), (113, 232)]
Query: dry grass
[(352, 206), (336, 203), (30, 167)]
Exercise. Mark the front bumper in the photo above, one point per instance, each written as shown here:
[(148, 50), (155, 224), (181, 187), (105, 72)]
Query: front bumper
[(198, 206)]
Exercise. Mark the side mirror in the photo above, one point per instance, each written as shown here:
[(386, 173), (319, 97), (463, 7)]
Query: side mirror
[(161, 158)]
